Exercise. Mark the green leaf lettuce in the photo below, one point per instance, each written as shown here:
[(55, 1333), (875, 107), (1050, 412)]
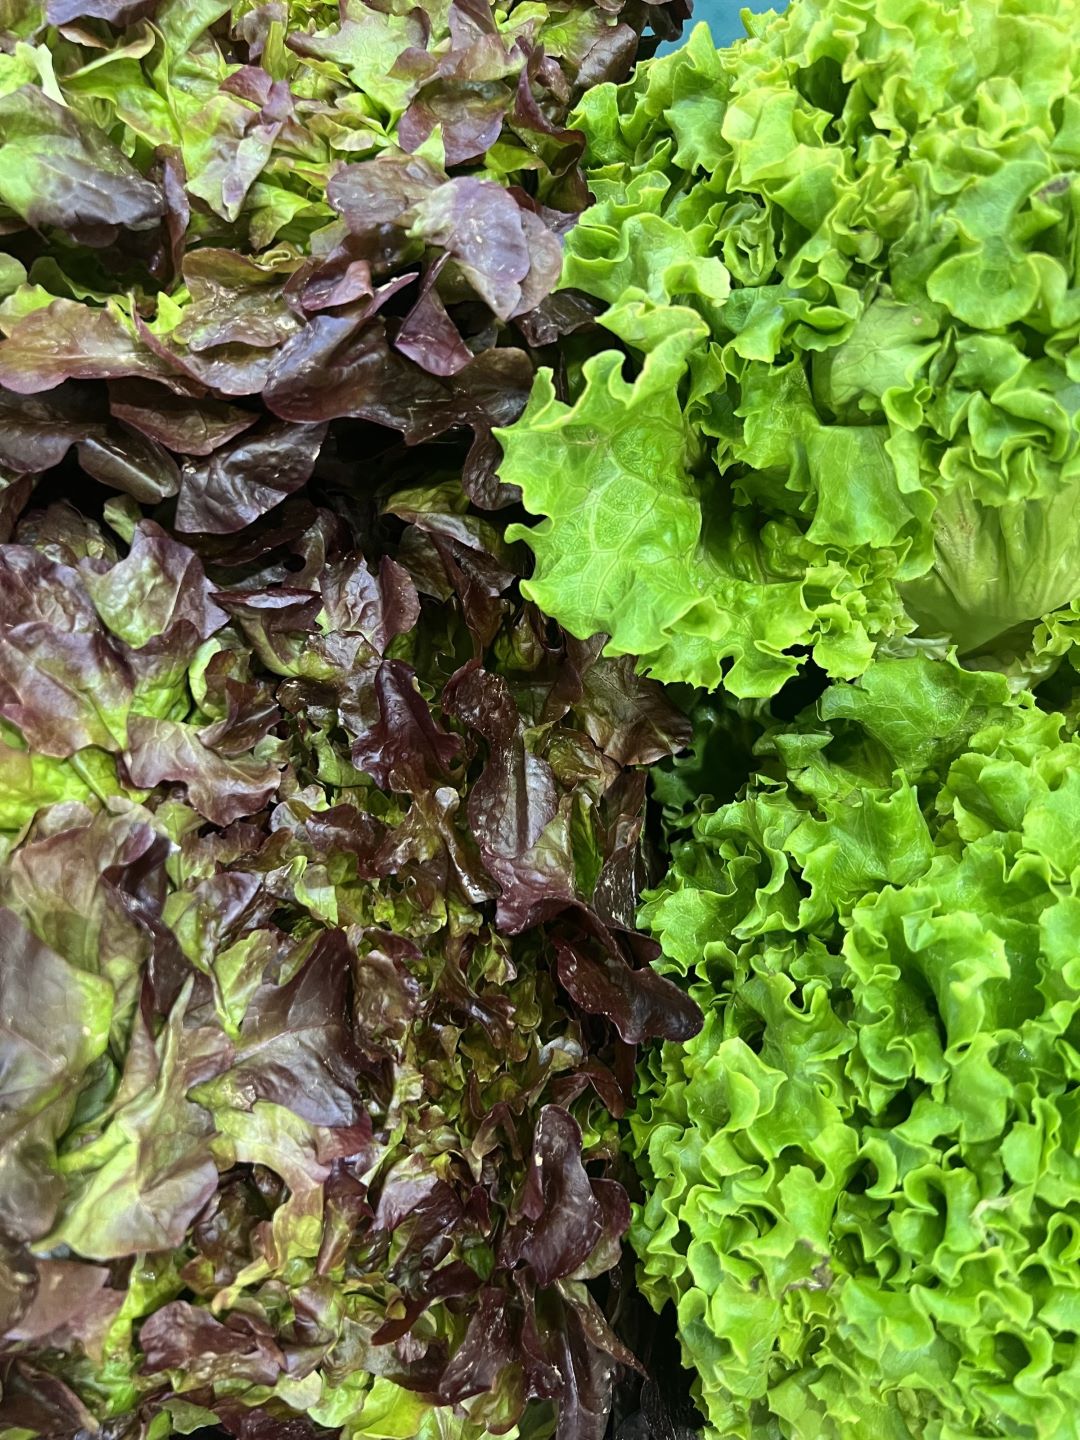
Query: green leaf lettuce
[(842, 266), (860, 1176)]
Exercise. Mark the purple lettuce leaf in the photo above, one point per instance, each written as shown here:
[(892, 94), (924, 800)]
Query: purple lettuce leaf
[(221, 788), (124, 459), (397, 740), (67, 340), (244, 478), (180, 1336), (73, 1303), (560, 1220), (508, 256), (63, 684), (180, 423), (36, 432), (296, 1047)]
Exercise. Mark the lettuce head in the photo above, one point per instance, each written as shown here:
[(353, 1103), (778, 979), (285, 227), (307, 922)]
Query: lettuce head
[(841, 258), (861, 1176)]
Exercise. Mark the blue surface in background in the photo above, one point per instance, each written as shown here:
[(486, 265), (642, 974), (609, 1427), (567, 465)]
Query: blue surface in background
[(723, 19)]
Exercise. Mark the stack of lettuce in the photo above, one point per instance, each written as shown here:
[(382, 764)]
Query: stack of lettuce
[(839, 486), (319, 986)]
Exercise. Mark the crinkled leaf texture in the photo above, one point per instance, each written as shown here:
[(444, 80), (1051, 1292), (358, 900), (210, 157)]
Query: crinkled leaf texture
[(842, 266), (860, 1174)]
